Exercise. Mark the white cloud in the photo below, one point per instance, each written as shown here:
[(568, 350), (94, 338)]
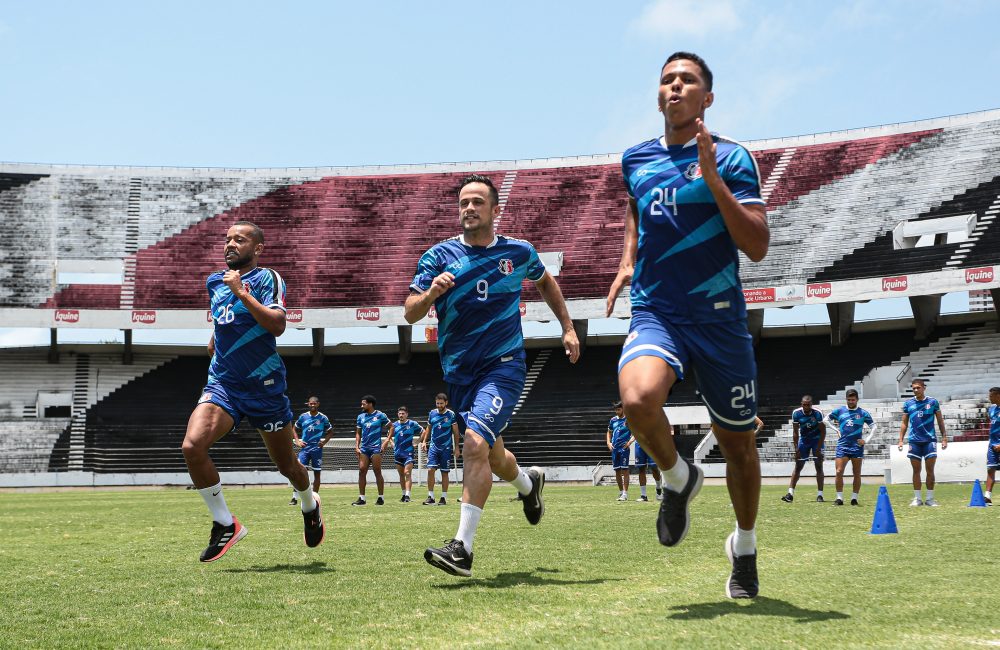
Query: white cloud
[(673, 18)]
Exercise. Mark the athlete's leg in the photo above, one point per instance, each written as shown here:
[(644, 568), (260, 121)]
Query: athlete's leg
[(930, 463), (377, 466), (840, 465), (363, 462), (279, 448), (430, 481), (799, 464), (444, 481), (742, 473), (408, 477), (642, 476), (645, 383), (626, 479), (316, 474), (208, 423), (478, 475), (819, 472), (991, 475), (618, 479), (856, 466), (656, 474), (915, 464)]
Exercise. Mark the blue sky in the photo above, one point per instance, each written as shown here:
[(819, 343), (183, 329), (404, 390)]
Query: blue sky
[(254, 84)]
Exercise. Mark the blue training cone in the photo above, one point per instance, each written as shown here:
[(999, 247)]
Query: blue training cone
[(977, 500), (884, 522)]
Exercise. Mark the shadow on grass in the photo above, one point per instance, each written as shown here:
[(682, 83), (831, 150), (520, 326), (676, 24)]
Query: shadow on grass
[(513, 579), (312, 567), (760, 606)]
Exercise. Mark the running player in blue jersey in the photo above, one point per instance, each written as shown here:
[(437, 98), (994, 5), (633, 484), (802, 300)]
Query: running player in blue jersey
[(642, 461), (474, 283), (993, 446), (441, 434), (919, 414), (693, 203), (401, 438), (619, 437), (850, 421), (370, 426), (312, 431), (246, 378), (808, 436)]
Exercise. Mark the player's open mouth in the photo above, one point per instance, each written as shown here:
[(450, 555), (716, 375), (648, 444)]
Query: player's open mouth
[(674, 99)]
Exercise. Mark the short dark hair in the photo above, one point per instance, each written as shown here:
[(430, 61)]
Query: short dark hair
[(918, 381), (403, 408), (441, 396), (312, 397), (479, 178), (995, 389), (617, 404), (807, 397), (368, 398), (257, 233), (851, 393), (706, 74)]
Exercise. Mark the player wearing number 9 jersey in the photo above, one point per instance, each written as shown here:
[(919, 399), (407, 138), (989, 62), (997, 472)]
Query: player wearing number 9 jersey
[(474, 283), (693, 203)]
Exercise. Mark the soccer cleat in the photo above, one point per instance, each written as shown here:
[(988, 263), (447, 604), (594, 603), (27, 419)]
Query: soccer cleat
[(429, 501), (222, 539), (819, 498), (623, 497), (642, 497), (534, 507), (406, 499), (838, 502), (451, 558), (402, 499), (293, 502), (916, 502), (659, 494), (314, 532), (359, 502), (442, 501), (742, 581), (380, 501), (988, 501), (787, 498), (854, 502), (673, 519), (932, 502)]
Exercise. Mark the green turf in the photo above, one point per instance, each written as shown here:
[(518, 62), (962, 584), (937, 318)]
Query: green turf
[(120, 569)]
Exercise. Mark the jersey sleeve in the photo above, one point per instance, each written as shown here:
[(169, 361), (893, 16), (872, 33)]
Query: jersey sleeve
[(428, 268), (868, 418), (327, 425), (536, 270), (298, 423), (270, 291), (625, 176), (357, 421), (739, 171), (833, 417)]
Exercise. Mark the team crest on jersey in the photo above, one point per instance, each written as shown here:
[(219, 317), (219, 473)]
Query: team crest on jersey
[(693, 172), (246, 287), (205, 397), (631, 337), (506, 266)]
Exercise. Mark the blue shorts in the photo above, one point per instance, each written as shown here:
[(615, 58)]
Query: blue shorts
[(371, 451), (485, 406), (405, 458), (642, 459), (719, 354), (922, 450), (619, 458), (992, 458), (268, 413), (440, 458), (850, 451), (810, 449), (312, 457)]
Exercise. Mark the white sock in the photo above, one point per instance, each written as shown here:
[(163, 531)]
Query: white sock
[(840, 495), (916, 494), (676, 477), (467, 524), (930, 494), (430, 493), (444, 495), (307, 500), (745, 541), (642, 490), (362, 497), (791, 491), (216, 503), (658, 486), (522, 482), (819, 493), (380, 495), (406, 493), (854, 495), (988, 494)]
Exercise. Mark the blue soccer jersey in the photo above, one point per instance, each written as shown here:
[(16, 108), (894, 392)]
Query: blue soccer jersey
[(850, 423), (687, 265), (402, 436), (479, 319), (440, 423), (809, 425), (994, 414), (246, 358), (371, 425), (922, 416), (312, 427), (619, 432)]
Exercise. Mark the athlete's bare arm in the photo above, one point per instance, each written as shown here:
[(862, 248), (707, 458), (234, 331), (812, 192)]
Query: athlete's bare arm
[(549, 288), (627, 264), (944, 435), (418, 304), (902, 430), (273, 320)]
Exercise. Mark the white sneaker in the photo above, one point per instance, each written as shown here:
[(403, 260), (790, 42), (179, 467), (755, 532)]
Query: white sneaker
[(916, 502), (622, 497), (932, 503)]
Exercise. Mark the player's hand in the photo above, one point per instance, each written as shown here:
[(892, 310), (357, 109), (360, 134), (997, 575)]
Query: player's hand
[(996, 448), (706, 153), (458, 454), (357, 450), (623, 278), (899, 446), (232, 280), (861, 441), (610, 448), (441, 283), (944, 444), (571, 344), (798, 456), (322, 443)]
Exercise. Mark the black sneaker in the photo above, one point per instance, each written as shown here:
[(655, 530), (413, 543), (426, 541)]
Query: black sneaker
[(819, 498), (429, 501), (742, 581), (854, 502), (532, 502), (402, 499), (222, 539), (451, 558), (788, 497), (314, 532), (406, 499), (359, 502), (673, 519), (293, 502), (838, 502), (380, 501), (643, 497), (442, 501), (988, 501)]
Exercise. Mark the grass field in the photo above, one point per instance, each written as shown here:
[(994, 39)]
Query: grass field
[(120, 569)]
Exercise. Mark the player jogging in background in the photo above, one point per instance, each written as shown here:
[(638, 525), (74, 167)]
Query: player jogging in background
[(474, 283), (401, 438), (369, 427), (619, 438), (919, 414), (440, 440), (808, 437), (642, 461), (246, 378), (850, 421), (693, 203), (312, 431), (993, 446)]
